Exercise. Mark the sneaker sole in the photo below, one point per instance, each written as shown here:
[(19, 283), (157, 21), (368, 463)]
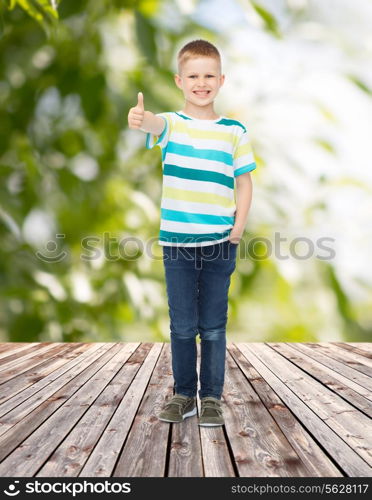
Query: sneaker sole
[(209, 425), (189, 414)]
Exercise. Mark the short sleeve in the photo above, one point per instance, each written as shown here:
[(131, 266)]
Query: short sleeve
[(243, 158), (153, 140)]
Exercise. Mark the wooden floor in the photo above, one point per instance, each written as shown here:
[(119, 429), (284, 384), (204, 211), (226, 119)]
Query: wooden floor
[(90, 409)]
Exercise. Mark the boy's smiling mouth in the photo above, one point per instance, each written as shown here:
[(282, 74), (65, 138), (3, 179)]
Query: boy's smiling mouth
[(201, 92)]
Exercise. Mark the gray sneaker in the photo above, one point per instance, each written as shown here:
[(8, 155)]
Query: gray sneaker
[(178, 408), (211, 412)]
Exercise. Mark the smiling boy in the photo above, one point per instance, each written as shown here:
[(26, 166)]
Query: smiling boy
[(203, 156)]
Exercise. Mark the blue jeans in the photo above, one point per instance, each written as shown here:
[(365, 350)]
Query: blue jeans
[(197, 281)]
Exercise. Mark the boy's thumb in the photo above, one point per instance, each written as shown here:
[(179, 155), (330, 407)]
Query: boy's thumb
[(140, 100)]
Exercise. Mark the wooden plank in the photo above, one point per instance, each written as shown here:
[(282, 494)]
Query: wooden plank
[(45, 389), (69, 458), (13, 348), (260, 448), (348, 359), (353, 427), (185, 457), (145, 450), (20, 382), (357, 379), (7, 346), (316, 461), (16, 358), (270, 365), (350, 354), (366, 346), (103, 457), (353, 348), (18, 424), (327, 377), (29, 457), (34, 383), (22, 363)]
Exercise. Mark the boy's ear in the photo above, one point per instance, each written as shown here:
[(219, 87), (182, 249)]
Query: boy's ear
[(177, 79), (222, 80)]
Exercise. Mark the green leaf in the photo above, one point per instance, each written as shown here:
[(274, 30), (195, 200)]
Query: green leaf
[(146, 38), (269, 20), (361, 85), (41, 10), (325, 145)]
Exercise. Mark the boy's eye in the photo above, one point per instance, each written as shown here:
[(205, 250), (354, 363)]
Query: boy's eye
[(194, 76)]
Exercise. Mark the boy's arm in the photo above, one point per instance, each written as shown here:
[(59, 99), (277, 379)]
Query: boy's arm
[(243, 203), (152, 123), (145, 120)]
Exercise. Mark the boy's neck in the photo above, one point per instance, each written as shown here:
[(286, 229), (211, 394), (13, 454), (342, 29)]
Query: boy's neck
[(200, 112)]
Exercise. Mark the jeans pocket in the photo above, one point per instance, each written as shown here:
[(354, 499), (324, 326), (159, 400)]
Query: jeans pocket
[(233, 244)]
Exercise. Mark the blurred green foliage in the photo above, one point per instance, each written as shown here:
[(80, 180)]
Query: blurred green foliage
[(69, 164)]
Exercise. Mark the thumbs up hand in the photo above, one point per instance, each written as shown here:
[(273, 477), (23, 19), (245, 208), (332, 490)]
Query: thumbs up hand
[(137, 113)]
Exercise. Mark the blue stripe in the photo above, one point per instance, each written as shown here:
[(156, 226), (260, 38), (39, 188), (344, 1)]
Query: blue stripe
[(171, 237), (160, 138), (198, 175), (204, 154), (246, 168), (179, 216)]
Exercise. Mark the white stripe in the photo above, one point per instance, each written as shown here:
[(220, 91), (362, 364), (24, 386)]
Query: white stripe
[(189, 227), (198, 186), (205, 143), (197, 208), (200, 244), (244, 160), (207, 125)]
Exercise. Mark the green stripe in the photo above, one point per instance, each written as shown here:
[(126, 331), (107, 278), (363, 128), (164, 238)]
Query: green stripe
[(183, 116), (229, 122), (171, 237), (198, 175)]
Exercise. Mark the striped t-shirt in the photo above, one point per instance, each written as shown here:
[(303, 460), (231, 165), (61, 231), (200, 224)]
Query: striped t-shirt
[(200, 159)]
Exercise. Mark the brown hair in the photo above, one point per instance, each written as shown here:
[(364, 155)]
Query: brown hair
[(196, 48)]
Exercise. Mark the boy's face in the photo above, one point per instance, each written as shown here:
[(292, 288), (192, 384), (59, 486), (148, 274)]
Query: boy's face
[(200, 80)]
